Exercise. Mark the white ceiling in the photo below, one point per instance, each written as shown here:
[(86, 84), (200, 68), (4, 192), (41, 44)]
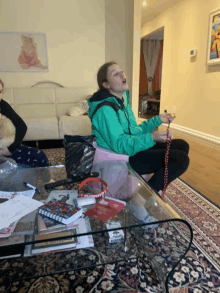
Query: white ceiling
[(155, 7)]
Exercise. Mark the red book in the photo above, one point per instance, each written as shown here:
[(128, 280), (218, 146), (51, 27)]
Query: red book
[(105, 209)]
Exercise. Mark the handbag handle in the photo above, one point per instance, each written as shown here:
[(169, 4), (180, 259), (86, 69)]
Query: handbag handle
[(96, 195)]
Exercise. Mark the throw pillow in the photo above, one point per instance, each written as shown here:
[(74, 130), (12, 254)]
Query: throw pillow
[(78, 109)]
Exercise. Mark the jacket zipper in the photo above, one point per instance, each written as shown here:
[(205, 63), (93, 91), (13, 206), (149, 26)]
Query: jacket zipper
[(128, 121)]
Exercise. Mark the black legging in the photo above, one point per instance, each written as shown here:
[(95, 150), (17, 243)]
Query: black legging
[(152, 160)]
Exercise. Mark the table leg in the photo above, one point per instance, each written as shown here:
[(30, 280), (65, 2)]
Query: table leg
[(125, 231)]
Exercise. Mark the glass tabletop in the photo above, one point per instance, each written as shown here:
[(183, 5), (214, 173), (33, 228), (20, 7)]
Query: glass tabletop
[(164, 240)]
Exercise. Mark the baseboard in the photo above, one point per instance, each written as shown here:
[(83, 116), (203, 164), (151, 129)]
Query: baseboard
[(199, 134)]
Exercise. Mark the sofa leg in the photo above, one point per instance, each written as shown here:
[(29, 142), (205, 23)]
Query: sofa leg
[(37, 144)]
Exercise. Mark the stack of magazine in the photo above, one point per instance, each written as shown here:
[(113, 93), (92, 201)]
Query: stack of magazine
[(48, 228), (12, 211), (37, 225)]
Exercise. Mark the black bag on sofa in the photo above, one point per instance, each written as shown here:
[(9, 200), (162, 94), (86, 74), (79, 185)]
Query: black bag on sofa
[(79, 154)]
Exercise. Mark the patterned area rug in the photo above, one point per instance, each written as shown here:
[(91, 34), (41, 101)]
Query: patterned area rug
[(198, 273)]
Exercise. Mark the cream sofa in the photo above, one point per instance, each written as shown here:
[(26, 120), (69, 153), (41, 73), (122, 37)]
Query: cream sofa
[(44, 110)]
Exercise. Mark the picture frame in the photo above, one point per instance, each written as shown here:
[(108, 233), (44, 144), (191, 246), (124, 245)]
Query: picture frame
[(213, 54), (23, 52)]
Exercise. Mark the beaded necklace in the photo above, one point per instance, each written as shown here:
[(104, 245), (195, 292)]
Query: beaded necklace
[(169, 139)]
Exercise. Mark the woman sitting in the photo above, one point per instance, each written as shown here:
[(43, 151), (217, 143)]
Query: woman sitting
[(23, 155), (115, 128)]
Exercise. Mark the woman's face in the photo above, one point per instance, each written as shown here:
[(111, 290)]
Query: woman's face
[(117, 82), (1, 89)]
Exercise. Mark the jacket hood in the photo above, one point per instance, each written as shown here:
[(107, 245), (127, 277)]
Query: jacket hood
[(101, 96)]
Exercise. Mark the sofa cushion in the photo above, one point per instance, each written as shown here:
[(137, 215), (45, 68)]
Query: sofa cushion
[(80, 125), (34, 96), (36, 110), (73, 95), (41, 128), (35, 102)]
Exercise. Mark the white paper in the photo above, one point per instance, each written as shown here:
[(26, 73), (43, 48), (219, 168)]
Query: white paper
[(12, 194), (84, 227), (15, 208)]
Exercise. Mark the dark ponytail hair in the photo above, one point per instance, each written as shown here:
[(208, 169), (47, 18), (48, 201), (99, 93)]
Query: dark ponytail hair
[(2, 83), (102, 75)]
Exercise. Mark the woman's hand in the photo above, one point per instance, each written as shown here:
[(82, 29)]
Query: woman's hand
[(4, 151), (161, 136), (166, 118)]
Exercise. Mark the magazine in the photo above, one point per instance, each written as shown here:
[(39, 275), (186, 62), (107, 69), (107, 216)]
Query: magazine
[(7, 231), (9, 252), (65, 196), (82, 225), (42, 228), (4, 195)]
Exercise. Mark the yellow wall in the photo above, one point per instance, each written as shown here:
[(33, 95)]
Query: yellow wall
[(75, 33), (81, 36), (189, 85), (119, 34), (136, 56)]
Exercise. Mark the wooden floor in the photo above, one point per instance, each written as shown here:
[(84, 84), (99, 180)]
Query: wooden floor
[(203, 173)]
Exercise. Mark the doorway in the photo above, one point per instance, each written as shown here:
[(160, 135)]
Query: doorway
[(149, 102)]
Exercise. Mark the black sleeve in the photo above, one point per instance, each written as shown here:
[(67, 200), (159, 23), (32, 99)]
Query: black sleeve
[(20, 126)]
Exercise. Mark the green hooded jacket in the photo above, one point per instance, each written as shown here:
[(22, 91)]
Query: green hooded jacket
[(115, 126)]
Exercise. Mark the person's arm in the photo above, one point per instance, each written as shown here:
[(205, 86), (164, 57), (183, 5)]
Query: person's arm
[(108, 126), (151, 125), (20, 126), (146, 126)]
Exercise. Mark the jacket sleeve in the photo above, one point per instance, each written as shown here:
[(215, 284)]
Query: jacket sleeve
[(146, 126), (20, 126), (150, 125), (110, 129)]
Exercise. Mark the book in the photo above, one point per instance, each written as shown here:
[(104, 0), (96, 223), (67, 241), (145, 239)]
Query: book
[(82, 225), (9, 252), (66, 196), (51, 245), (15, 208), (27, 249), (61, 212), (49, 238), (106, 209), (43, 229), (45, 223)]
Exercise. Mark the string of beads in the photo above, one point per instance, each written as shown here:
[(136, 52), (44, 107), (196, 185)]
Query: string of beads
[(169, 139)]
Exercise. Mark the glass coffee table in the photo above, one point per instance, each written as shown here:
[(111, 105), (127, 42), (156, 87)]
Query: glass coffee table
[(163, 243)]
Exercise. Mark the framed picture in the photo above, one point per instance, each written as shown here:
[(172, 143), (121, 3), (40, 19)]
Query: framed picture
[(23, 51), (213, 56)]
